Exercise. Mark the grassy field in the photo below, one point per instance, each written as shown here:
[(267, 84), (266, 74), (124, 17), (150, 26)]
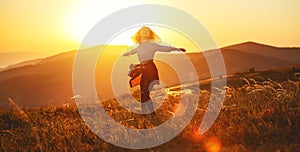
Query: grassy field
[(258, 114)]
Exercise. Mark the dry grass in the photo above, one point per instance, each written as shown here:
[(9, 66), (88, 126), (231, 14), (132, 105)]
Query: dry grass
[(258, 116)]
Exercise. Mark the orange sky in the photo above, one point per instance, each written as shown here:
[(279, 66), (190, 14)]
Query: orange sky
[(56, 26)]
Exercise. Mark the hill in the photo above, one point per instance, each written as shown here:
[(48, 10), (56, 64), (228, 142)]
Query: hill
[(50, 80), (284, 53)]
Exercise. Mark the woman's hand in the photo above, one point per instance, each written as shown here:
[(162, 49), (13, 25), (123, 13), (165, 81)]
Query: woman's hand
[(182, 49), (126, 54)]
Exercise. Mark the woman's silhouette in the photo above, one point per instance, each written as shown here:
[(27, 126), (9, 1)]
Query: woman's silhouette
[(145, 51)]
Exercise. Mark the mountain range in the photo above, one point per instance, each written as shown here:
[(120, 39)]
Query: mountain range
[(45, 81), (11, 58)]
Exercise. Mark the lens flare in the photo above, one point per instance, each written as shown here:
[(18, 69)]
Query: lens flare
[(196, 136), (213, 145)]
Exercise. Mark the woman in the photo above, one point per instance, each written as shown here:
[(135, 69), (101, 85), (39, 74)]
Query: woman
[(145, 51)]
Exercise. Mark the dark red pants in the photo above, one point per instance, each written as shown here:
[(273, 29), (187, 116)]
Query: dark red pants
[(148, 79)]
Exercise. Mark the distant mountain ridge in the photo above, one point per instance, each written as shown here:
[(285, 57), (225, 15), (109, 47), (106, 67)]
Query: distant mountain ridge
[(22, 64), (12, 58), (49, 80)]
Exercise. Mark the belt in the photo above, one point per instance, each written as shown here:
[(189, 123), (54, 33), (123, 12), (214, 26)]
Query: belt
[(146, 62)]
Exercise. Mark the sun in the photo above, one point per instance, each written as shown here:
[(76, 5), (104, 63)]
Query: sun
[(79, 23), (82, 16)]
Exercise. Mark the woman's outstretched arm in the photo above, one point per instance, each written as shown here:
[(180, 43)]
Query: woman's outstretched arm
[(131, 52), (163, 48)]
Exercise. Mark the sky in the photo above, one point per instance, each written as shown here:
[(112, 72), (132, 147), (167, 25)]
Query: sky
[(58, 26)]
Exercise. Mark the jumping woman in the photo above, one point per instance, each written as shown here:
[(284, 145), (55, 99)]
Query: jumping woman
[(148, 46)]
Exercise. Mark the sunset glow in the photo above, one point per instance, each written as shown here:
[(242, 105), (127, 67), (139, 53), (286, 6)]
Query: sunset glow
[(48, 27), (150, 75)]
